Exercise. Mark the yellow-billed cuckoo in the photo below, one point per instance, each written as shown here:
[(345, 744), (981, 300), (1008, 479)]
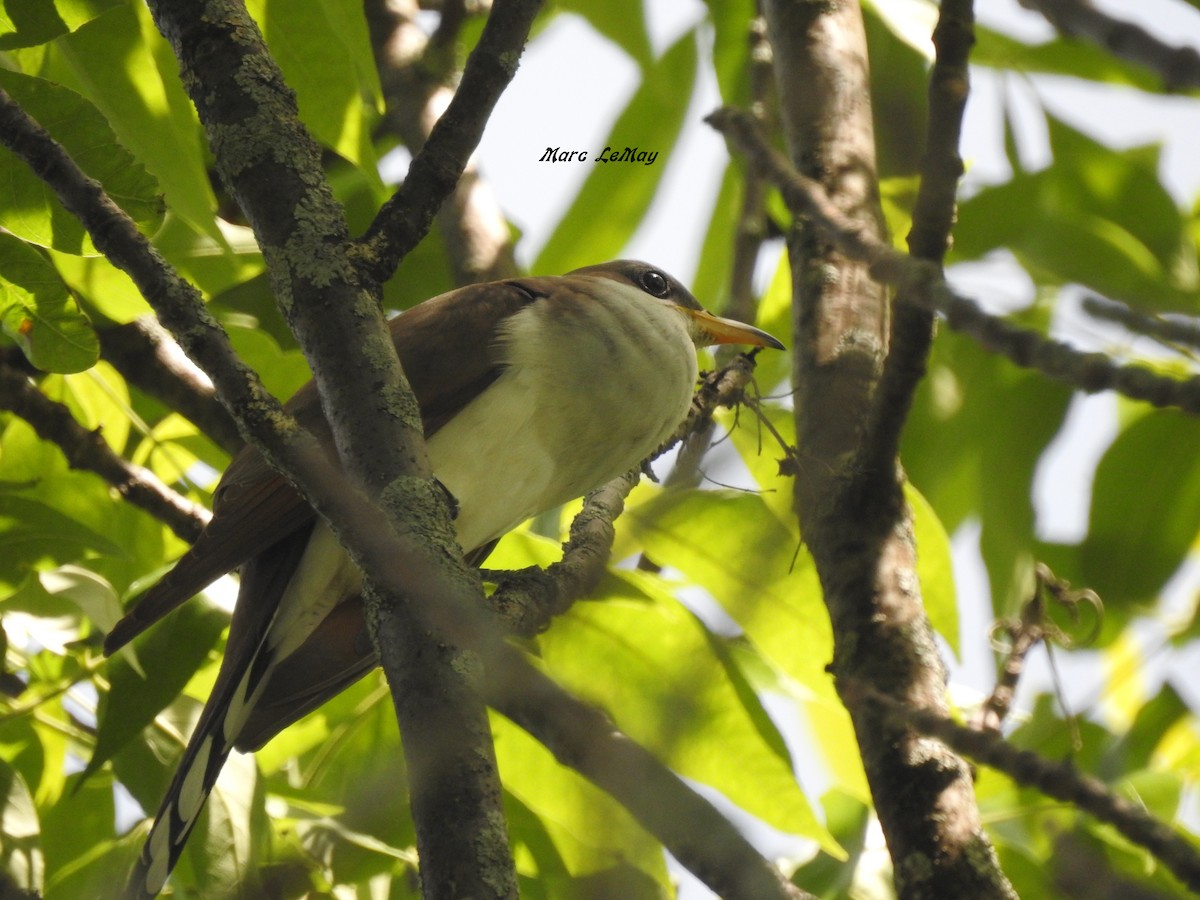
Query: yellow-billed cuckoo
[(532, 392)]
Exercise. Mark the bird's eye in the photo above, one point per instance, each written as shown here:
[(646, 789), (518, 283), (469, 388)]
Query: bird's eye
[(655, 283)]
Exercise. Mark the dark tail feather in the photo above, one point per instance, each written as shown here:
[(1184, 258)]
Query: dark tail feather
[(247, 662)]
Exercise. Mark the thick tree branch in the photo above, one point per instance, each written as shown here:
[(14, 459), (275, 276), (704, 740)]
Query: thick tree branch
[(88, 451), (1177, 66), (854, 518), (399, 558), (1059, 780), (272, 166), (149, 358), (436, 169), (1090, 372)]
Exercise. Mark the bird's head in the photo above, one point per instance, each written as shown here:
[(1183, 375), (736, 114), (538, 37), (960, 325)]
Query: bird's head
[(704, 328)]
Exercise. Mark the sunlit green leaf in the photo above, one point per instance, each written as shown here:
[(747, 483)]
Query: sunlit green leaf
[(123, 66), (169, 656), (39, 314), (20, 830), (1061, 56), (589, 830), (33, 535), (1145, 510), (29, 209), (325, 53), (731, 47), (935, 569), (24, 23), (623, 22), (669, 688)]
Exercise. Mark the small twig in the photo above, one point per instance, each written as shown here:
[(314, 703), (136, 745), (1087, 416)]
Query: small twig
[(1058, 780), (1179, 331), (912, 326), (88, 451), (1031, 628), (417, 72), (1090, 372), (404, 219), (1178, 66)]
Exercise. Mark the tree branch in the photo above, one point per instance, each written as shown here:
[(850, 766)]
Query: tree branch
[(435, 170), (1059, 780), (415, 87), (854, 518), (1090, 372), (1177, 66), (401, 562), (933, 216), (1182, 330), (272, 166), (88, 451), (149, 358)]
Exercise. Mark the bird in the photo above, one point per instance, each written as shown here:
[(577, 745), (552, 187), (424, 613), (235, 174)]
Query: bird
[(532, 392)]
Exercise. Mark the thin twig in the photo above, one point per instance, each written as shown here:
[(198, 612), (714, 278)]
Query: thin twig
[(435, 170), (417, 73), (1090, 372), (88, 451), (1059, 780), (1178, 66), (1176, 331), (912, 326)]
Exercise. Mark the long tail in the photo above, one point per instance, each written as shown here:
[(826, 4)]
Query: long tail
[(247, 664)]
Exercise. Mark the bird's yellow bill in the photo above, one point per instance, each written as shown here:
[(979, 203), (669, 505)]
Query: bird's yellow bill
[(727, 331)]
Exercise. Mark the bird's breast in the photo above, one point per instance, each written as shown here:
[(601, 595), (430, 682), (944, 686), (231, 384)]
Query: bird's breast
[(589, 389)]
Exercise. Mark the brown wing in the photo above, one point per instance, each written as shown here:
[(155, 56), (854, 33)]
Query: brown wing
[(447, 348)]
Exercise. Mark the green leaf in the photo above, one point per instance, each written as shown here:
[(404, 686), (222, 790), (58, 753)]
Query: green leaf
[(616, 196), (77, 832), (169, 655), (935, 568), (898, 46), (20, 832), (711, 281), (121, 63), (731, 47), (1096, 216), (1145, 511), (29, 209), (93, 595), (589, 832), (652, 665), (621, 21), (325, 53), (977, 429), (761, 575), (39, 314), (26, 23), (34, 536), (1061, 56)]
